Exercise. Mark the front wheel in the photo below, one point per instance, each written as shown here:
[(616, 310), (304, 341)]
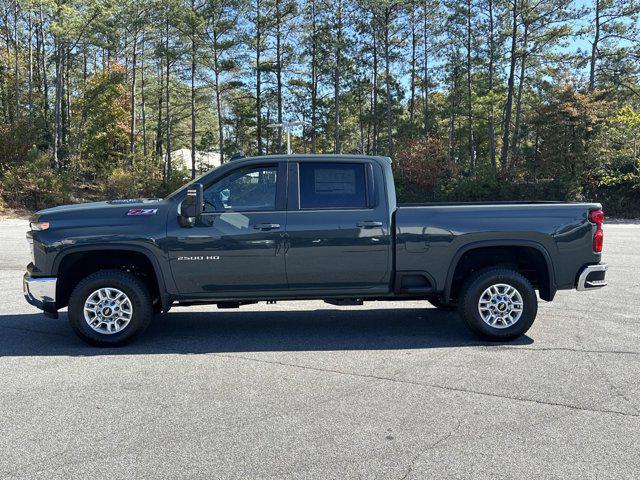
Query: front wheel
[(110, 308), (498, 304)]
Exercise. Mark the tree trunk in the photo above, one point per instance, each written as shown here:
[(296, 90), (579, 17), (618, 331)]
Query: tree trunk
[(66, 83), (3, 92), (504, 156), (85, 74), (193, 106), (387, 75), (159, 129), (279, 72), (492, 137), (57, 115), (84, 89), (266, 148), (143, 109), (167, 101), (412, 98), (594, 49), (453, 106), (258, 77), (30, 66), (336, 80), (472, 148), (314, 75), (45, 80), (216, 73), (374, 101), (37, 73), (16, 46), (132, 130), (516, 126), (361, 119), (425, 77)]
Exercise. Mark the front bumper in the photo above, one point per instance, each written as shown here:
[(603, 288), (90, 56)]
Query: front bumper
[(41, 292), (592, 277)]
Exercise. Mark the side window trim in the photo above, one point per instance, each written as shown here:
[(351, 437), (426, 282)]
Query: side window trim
[(280, 198), (293, 186)]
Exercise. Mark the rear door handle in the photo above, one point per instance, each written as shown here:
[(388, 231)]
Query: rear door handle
[(370, 224), (266, 226)]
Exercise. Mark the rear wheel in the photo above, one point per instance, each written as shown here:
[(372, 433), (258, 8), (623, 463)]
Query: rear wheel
[(110, 308), (498, 304)]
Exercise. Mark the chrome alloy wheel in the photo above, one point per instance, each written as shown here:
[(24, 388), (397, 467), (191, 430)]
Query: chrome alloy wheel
[(108, 310), (500, 305)]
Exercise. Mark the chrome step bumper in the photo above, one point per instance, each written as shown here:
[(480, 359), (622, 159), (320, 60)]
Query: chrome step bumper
[(593, 276)]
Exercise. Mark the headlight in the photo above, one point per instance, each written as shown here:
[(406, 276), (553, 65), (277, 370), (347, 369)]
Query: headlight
[(39, 225)]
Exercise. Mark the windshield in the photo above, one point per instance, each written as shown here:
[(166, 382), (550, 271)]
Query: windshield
[(186, 185)]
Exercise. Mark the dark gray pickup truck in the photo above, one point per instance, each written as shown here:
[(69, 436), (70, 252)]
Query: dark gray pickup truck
[(306, 227)]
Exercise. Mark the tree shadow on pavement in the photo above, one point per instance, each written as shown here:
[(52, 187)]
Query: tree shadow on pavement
[(250, 331)]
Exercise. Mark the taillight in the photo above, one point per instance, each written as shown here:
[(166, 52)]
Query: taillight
[(597, 217)]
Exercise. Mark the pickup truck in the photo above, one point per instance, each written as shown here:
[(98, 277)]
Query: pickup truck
[(306, 227)]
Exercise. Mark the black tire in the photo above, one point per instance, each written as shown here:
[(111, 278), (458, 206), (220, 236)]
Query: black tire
[(132, 286), (440, 305), (476, 285)]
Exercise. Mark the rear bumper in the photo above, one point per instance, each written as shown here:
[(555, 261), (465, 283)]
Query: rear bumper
[(592, 277), (40, 292)]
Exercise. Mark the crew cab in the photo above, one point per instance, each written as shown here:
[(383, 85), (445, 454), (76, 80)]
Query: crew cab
[(306, 227)]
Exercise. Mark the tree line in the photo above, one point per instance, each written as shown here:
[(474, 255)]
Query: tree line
[(472, 99)]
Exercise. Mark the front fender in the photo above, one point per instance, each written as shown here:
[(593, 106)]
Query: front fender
[(165, 279)]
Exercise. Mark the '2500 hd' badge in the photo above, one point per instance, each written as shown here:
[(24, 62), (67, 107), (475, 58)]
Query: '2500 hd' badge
[(198, 258), (142, 211)]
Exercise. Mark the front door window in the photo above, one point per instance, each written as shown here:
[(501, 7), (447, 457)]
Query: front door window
[(248, 189)]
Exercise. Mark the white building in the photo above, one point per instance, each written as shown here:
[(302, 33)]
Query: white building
[(204, 160)]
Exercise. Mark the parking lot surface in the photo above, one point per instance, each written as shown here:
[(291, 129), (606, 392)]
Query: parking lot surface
[(309, 390)]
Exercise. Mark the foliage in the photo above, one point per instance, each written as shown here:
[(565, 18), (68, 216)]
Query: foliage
[(423, 163), (473, 100), (104, 110), (35, 184), (142, 179)]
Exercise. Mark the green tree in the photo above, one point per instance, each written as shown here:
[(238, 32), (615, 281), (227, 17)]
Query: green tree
[(106, 105)]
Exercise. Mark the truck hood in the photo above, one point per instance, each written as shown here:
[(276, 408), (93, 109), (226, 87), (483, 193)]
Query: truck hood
[(94, 211)]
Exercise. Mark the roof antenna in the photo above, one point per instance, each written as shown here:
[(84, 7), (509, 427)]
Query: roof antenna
[(287, 128)]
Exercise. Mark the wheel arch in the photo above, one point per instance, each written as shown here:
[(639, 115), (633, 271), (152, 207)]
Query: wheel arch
[(547, 289), (69, 254)]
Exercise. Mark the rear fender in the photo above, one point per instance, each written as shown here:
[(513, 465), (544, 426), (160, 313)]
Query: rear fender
[(500, 243)]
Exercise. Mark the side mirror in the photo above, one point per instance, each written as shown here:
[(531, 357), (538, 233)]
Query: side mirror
[(192, 206)]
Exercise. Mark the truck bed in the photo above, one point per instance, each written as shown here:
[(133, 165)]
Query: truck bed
[(501, 202), (559, 230)]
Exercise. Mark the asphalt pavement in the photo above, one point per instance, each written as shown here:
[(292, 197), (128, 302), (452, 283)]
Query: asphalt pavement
[(308, 390)]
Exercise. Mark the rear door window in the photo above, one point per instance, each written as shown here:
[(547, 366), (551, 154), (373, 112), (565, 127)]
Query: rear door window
[(332, 185)]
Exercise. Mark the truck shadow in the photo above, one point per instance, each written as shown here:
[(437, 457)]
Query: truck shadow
[(250, 331)]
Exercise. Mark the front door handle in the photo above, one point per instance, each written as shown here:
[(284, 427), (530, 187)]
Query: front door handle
[(370, 224), (266, 226)]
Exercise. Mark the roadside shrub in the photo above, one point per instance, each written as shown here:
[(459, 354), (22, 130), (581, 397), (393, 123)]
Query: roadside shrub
[(16, 140), (422, 163), (34, 184), (142, 179), (619, 195)]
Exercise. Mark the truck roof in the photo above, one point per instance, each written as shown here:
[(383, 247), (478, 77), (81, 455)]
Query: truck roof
[(318, 156)]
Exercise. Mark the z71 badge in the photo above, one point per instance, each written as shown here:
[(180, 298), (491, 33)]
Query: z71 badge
[(142, 211)]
